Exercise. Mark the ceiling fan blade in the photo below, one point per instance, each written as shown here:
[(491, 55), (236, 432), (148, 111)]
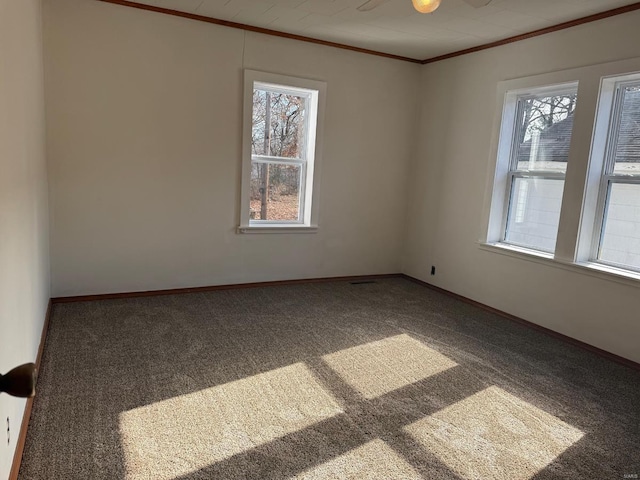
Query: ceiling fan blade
[(478, 3), (370, 5)]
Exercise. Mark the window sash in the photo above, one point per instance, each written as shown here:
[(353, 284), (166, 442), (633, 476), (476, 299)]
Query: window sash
[(298, 161), (509, 200), (301, 193), (306, 126), (511, 176), (542, 92), (603, 208), (608, 177), (513, 111), (613, 135)]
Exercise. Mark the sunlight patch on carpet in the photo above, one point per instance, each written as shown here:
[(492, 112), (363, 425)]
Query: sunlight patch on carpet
[(183, 434), (380, 367), (493, 434), (373, 460)]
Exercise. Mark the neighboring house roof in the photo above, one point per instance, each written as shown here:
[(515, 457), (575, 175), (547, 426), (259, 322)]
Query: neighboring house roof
[(628, 148), (553, 142)]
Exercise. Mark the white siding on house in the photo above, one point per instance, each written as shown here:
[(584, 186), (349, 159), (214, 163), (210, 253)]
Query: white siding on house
[(535, 216), (621, 236)]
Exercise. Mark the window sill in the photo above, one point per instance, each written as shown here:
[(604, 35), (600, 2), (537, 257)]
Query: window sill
[(598, 270), (276, 229), (516, 250), (609, 270)]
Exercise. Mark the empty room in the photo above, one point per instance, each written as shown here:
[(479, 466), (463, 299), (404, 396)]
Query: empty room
[(319, 239)]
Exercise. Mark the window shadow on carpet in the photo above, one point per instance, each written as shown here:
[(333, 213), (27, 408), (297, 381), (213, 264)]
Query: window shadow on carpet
[(321, 381)]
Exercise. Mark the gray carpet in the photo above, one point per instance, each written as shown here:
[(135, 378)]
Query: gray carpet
[(386, 380)]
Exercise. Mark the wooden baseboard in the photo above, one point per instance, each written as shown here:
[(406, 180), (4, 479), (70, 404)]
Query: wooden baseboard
[(178, 291), (22, 436), (356, 278), (598, 351)]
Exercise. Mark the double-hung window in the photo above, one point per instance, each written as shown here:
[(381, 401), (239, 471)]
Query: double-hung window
[(535, 151), (566, 184), (282, 120), (617, 231)]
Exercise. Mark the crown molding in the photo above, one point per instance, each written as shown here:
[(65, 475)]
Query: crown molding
[(251, 28), (276, 33)]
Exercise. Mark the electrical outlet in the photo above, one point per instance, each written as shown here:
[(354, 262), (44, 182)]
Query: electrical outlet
[(8, 431), (433, 270)]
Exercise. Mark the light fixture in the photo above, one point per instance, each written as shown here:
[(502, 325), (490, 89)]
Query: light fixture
[(423, 6), (426, 6)]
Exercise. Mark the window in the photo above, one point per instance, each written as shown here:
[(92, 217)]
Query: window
[(537, 153), (617, 239), (282, 120), (565, 156)]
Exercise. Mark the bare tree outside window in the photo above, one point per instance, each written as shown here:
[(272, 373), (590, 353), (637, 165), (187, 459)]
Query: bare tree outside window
[(544, 131), (277, 133)]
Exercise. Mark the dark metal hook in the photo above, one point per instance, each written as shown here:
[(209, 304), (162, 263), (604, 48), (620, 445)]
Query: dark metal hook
[(21, 381)]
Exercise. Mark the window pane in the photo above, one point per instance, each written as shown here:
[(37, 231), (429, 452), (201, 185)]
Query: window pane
[(627, 146), (543, 132), (278, 124), (621, 232), (275, 191), (534, 213)]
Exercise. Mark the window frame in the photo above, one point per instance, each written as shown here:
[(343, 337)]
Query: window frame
[(578, 217), (506, 160), (314, 91), (609, 117)]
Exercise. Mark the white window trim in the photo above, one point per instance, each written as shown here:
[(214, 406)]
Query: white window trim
[(608, 110), (511, 103), (582, 181), (597, 270), (509, 93), (308, 222)]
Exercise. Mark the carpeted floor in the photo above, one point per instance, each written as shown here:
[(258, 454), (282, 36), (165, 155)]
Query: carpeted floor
[(384, 380)]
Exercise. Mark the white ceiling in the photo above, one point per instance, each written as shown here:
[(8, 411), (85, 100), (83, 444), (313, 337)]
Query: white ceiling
[(395, 27)]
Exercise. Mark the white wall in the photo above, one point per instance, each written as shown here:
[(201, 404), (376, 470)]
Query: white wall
[(24, 249), (144, 137), (451, 170), (144, 152)]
